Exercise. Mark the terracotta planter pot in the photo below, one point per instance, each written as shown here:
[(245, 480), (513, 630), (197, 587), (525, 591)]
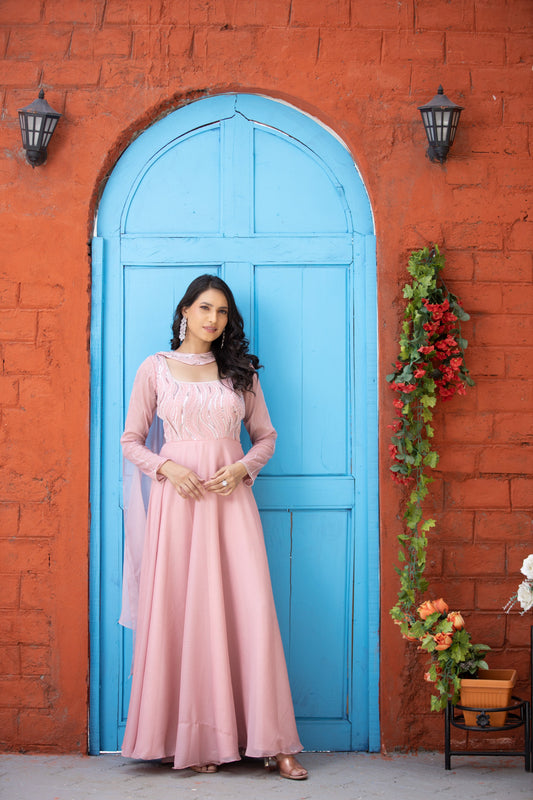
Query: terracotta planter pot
[(491, 689)]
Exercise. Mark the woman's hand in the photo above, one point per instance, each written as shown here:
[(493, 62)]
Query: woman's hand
[(184, 480), (226, 479)]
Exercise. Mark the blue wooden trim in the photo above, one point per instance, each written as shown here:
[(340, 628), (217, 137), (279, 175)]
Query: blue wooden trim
[(96, 447)]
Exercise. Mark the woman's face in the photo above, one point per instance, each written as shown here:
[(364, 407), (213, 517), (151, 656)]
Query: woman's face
[(206, 317)]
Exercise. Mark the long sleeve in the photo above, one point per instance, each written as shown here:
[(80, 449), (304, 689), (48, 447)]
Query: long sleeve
[(261, 432), (141, 411)]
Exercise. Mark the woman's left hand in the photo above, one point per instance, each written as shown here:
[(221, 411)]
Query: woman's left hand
[(226, 479)]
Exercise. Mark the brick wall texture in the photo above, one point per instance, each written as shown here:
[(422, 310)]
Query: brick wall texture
[(361, 68)]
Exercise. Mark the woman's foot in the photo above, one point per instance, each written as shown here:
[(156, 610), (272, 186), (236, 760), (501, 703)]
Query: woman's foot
[(287, 766), (205, 768)]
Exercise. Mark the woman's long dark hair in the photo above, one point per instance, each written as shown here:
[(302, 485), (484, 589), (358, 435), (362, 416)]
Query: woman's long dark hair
[(233, 359)]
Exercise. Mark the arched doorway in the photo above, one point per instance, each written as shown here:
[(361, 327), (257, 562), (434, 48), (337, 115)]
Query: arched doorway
[(261, 194)]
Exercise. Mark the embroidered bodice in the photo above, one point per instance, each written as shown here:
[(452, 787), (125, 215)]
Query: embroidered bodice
[(192, 411)]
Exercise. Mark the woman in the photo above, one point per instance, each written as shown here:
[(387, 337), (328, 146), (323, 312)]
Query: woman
[(209, 677)]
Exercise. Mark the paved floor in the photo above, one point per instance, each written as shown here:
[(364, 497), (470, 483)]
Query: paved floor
[(333, 776)]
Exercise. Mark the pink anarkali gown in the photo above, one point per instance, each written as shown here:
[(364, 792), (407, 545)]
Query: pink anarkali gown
[(209, 676)]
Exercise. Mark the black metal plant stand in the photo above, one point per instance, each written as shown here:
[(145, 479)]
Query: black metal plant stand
[(518, 715)]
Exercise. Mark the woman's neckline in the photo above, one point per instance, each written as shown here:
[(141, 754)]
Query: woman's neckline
[(193, 359)]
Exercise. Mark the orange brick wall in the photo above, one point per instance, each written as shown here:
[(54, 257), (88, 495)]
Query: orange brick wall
[(361, 68)]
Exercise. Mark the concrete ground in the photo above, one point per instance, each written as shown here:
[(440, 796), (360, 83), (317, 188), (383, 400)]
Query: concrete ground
[(333, 776)]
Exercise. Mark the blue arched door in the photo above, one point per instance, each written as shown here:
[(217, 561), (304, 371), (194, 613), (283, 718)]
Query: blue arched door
[(262, 195)]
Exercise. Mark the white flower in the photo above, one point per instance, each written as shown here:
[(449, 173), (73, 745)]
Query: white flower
[(525, 595), (527, 567)]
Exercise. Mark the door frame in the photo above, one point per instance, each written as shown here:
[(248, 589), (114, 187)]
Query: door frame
[(365, 660)]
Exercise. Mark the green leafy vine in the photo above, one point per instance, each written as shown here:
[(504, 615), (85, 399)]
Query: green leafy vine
[(430, 366)]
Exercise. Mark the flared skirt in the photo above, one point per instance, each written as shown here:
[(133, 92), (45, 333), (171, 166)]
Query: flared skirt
[(209, 676)]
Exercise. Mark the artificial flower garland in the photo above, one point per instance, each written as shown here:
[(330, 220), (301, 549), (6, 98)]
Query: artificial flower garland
[(430, 366)]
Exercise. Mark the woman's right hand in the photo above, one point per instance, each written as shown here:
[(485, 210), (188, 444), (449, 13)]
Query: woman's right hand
[(184, 480)]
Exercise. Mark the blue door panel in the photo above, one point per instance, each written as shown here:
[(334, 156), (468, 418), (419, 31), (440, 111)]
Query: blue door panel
[(302, 330), (179, 191), (254, 191)]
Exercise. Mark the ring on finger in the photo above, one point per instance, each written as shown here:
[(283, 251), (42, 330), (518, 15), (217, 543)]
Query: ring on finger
[(224, 483)]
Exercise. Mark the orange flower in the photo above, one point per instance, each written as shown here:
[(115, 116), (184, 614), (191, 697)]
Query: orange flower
[(456, 619), (441, 606), (426, 609), (443, 640)]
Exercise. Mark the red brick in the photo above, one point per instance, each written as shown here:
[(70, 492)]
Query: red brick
[(20, 13), (459, 265), (9, 519), (9, 391), (459, 594), (518, 110), (501, 459), (35, 660), (507, 268), (39, 42), (41, 295), (24, 627), (475, 48), (455, 16), (521, 236), (89, 43), (24, 692), (518, 298), (25, 358), (454, 526), (458, 460), (474, 559), (518, 629), (515, 16), (502, 330), (468, 428), (493, 81), (488, 629), (522, 493), (480, 235), (505, 139), (518, 362), (136, 11), (14, 73), (77, 11), (327, 13), (381, 14), (421, 47), (338, 46), (493, 594), (503, 526), (8, 727), (71, 73), (38, 728), (17, 486), (478, 297), (509, 395), (38, 519), (516, 553), (23, 554), (485, 362), (519, 48), (9, 292), (470, 172), (9, 660), (513, 428), (478, 493), (434, 560), (18, 325), (35, 390), (118, 73), (222, 43), (9, 591), (36, 591)]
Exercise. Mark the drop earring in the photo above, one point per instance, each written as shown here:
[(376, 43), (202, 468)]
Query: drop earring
[(223, 339), (183, 328)]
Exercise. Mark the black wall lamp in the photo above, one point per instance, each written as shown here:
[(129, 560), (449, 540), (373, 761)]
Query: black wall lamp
[(440, 117), (37, 123)]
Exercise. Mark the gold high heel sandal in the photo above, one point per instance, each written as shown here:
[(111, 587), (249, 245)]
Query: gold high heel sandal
[(287, 766)]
